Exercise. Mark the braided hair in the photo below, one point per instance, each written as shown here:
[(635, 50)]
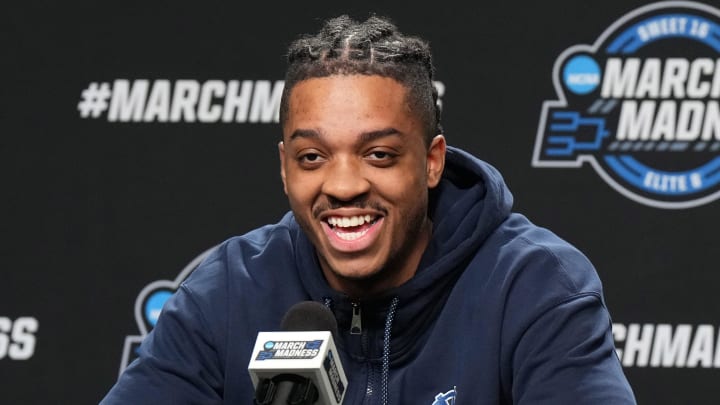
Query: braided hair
[(374, 47)]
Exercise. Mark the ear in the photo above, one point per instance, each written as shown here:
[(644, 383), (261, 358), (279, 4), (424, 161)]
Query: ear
[(281, 152), (435, 160)]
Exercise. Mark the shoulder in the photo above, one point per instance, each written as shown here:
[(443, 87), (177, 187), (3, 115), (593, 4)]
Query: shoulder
[(539, 274), (237, 273), (537, 256), (245, 256), (526, 270)]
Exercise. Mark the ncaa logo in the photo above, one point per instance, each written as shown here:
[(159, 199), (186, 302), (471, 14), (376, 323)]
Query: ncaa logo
[(148, 307), (641, 106)]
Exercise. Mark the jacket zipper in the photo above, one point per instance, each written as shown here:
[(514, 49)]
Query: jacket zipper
[(357, 329), (356, 322)]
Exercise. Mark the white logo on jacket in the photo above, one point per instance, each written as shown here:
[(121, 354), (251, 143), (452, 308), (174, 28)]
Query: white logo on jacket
[(447, 398)]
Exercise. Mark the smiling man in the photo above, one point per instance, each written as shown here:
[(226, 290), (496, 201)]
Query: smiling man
[(357, 172), (442, 294)]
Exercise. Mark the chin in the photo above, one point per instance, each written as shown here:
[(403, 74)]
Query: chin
[(364, 278), (352, 271)]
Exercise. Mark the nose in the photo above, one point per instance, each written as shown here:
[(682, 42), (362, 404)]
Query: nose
[(345, 180)]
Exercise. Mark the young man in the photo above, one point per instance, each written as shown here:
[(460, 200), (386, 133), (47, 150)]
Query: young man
[(452, 298)]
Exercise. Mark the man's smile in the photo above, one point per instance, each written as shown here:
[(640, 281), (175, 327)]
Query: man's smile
[(352, 233)]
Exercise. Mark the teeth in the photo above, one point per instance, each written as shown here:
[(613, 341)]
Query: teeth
[(345, 222), (351, 235)]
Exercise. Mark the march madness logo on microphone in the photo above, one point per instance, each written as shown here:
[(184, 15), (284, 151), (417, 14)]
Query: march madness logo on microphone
[(296, 349), (640, 106)]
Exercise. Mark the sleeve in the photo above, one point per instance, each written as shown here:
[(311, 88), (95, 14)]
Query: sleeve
[(567, 356), (178, 361)]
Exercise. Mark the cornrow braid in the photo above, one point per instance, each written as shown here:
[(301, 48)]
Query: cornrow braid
[(374, 47)]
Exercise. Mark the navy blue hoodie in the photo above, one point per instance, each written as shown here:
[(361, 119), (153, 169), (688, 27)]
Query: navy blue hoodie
[(500, 311)]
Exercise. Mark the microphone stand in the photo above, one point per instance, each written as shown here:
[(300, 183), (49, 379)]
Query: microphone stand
[(286, 389)]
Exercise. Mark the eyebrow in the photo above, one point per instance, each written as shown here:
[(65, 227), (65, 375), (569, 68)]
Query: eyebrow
[(364, 136), (304, 133)]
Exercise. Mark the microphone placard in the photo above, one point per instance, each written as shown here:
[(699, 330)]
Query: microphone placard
[(292, 349), (310, 354)]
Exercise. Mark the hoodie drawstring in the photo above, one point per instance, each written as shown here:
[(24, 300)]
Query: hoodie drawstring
[(386, 350)]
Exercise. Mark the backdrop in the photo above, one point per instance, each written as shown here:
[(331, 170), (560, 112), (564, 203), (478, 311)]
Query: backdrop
[(135, 137)]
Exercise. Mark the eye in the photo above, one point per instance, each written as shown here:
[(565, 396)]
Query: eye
[(310, 159), (381, 157)]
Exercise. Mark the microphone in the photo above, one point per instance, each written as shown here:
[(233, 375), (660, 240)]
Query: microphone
[(299, 365)]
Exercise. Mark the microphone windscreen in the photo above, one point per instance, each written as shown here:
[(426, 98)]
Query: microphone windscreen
[(309, 316)]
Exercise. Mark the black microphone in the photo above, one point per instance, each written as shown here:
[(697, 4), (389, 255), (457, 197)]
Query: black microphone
[(300, 364)]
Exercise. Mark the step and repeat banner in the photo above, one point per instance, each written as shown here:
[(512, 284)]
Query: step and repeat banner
[(135, 137)]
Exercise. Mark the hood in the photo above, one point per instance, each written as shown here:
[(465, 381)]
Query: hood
[(467, 206)]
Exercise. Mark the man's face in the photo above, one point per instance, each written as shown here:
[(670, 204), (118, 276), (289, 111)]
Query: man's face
[(356, 172)]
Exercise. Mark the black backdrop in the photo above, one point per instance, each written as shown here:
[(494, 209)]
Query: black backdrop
[(95, 210)]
